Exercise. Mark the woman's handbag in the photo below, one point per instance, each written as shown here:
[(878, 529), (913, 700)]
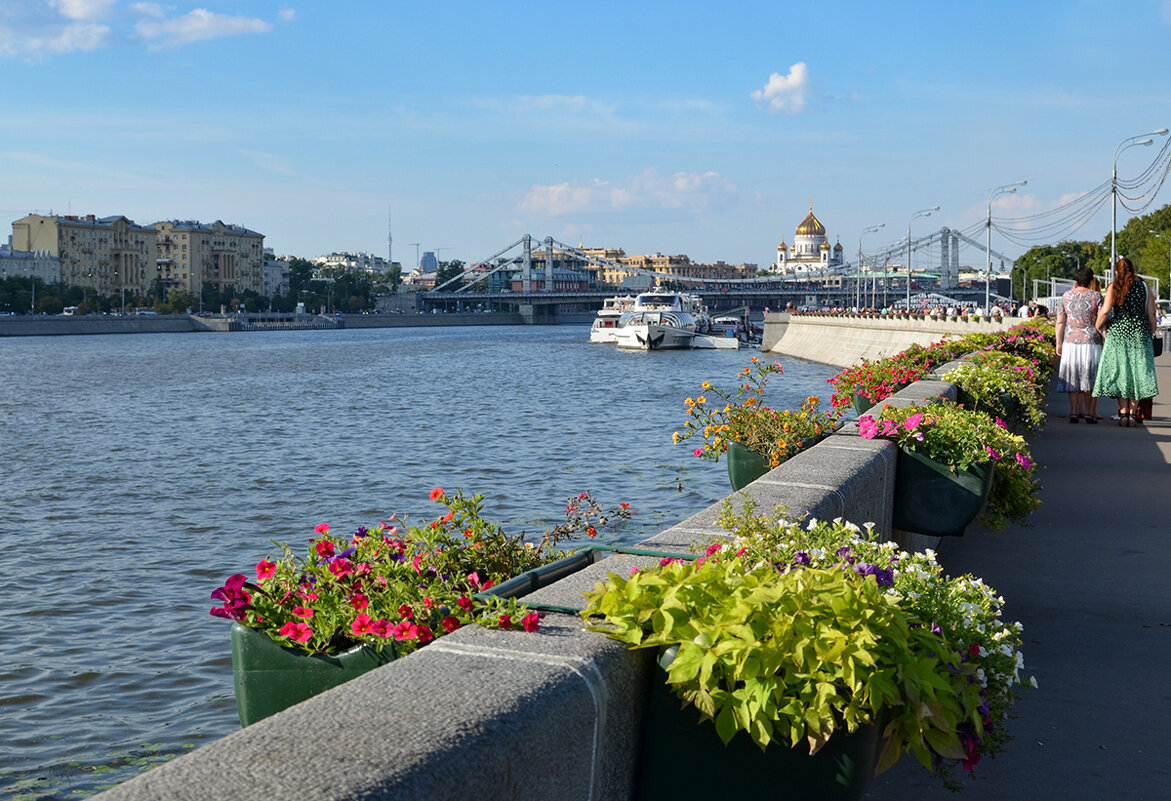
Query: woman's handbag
[(1157, 343)]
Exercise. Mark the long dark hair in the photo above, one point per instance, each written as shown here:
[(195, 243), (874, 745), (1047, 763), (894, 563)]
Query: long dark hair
[(1123, 279)]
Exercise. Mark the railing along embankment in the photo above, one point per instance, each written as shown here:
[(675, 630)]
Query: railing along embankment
[(843, 339), (488, 714)]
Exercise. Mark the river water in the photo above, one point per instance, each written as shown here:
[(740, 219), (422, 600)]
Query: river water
[(139, 471)]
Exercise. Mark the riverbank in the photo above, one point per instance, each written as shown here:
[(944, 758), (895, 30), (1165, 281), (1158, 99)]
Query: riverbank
[(61, 325)]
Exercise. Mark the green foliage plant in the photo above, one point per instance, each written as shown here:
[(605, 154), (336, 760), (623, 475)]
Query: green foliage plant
[(791, 632)]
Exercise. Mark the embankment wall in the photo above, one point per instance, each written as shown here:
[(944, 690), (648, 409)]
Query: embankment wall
[(485, 714), (843, 339)]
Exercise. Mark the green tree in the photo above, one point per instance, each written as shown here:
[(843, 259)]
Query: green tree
[(1053, 261), (448, 270), (1148, 252)]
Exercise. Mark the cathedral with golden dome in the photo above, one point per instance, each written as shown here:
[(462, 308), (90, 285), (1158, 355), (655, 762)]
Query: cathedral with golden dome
[(811, 250)]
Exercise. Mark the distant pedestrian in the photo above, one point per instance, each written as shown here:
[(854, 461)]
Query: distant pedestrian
[(1127, 368), (1079, 345)]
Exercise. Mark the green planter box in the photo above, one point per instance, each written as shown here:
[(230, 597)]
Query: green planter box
[(270, 677), (745, 465), (683, 758), (930, 499)]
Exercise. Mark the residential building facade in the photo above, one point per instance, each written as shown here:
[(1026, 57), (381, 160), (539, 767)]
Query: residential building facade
[(29, 264), (108, 254), (191, 253)]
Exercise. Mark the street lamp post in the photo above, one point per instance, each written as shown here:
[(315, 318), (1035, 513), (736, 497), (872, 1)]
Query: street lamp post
[(858, 284), (921, 213), (1123, 145), (1007, 189)]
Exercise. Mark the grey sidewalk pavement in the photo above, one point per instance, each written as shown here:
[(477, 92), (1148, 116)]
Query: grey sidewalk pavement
[(1090, 579)]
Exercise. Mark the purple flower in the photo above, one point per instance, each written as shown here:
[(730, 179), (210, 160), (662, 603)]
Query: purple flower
[(235, 599), (801, 558)]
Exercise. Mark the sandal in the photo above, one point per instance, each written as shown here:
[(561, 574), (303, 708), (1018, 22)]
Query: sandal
[(1073, 418), (1092, 419), (1123, 419)]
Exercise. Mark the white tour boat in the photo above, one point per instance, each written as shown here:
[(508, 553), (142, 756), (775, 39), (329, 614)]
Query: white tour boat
[(606, 323), (660, 320)]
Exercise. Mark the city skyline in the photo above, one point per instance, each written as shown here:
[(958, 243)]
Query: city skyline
[(703, 131)]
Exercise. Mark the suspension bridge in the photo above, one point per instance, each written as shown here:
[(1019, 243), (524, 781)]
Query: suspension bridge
[(493, 280)]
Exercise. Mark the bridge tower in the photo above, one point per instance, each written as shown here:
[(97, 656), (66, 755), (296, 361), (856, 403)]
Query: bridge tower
[(526, 284)]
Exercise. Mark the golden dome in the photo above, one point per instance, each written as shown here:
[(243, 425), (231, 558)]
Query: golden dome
[(810, 225), (825, 245), (782, 246), (838, 246)]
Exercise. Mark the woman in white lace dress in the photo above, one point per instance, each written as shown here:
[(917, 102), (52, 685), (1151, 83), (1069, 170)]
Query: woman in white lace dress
[(1079, 346)]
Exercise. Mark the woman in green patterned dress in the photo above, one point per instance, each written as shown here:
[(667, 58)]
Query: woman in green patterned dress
[(1127, 369)]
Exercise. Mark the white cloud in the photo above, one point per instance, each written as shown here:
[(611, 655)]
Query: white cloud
[(37, 29), (82, 9), (197, 25), (287, 14), (692, 191), (149, 10), (785, 93)]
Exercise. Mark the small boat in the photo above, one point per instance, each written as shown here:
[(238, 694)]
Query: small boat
[(606, 323), (661, 320)]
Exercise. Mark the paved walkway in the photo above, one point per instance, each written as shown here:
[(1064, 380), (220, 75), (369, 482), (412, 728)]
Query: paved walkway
[(1090, 579)]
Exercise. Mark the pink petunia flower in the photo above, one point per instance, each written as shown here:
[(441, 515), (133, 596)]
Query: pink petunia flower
[(1024, 461), (322, 528), (340, 567), (406, 631), (296, 631), (265, 569), (531, 621), (324, 549), (303, 611), (359, 601), (991, 453), (363, 624)]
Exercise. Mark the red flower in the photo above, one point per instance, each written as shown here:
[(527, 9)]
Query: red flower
[(424, 634), (324, 549), (296, 631), (322, 528), (265, 569), (405, 612), (301, 611), (363, 624), (450, 624), (465, 603), (505, 622), (530, 621), (436, 494), (406, 631), (359, 601)]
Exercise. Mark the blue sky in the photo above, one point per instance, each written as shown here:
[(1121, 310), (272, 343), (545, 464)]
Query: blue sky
[(695, 127)]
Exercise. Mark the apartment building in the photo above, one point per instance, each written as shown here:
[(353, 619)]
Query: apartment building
[(107, 254), (191, 253)]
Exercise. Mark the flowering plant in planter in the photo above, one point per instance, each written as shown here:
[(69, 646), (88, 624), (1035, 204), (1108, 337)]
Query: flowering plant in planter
[(1001, 385), (959, 438), (776, 434), (877, 380), (395, 583), (795, 633)]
